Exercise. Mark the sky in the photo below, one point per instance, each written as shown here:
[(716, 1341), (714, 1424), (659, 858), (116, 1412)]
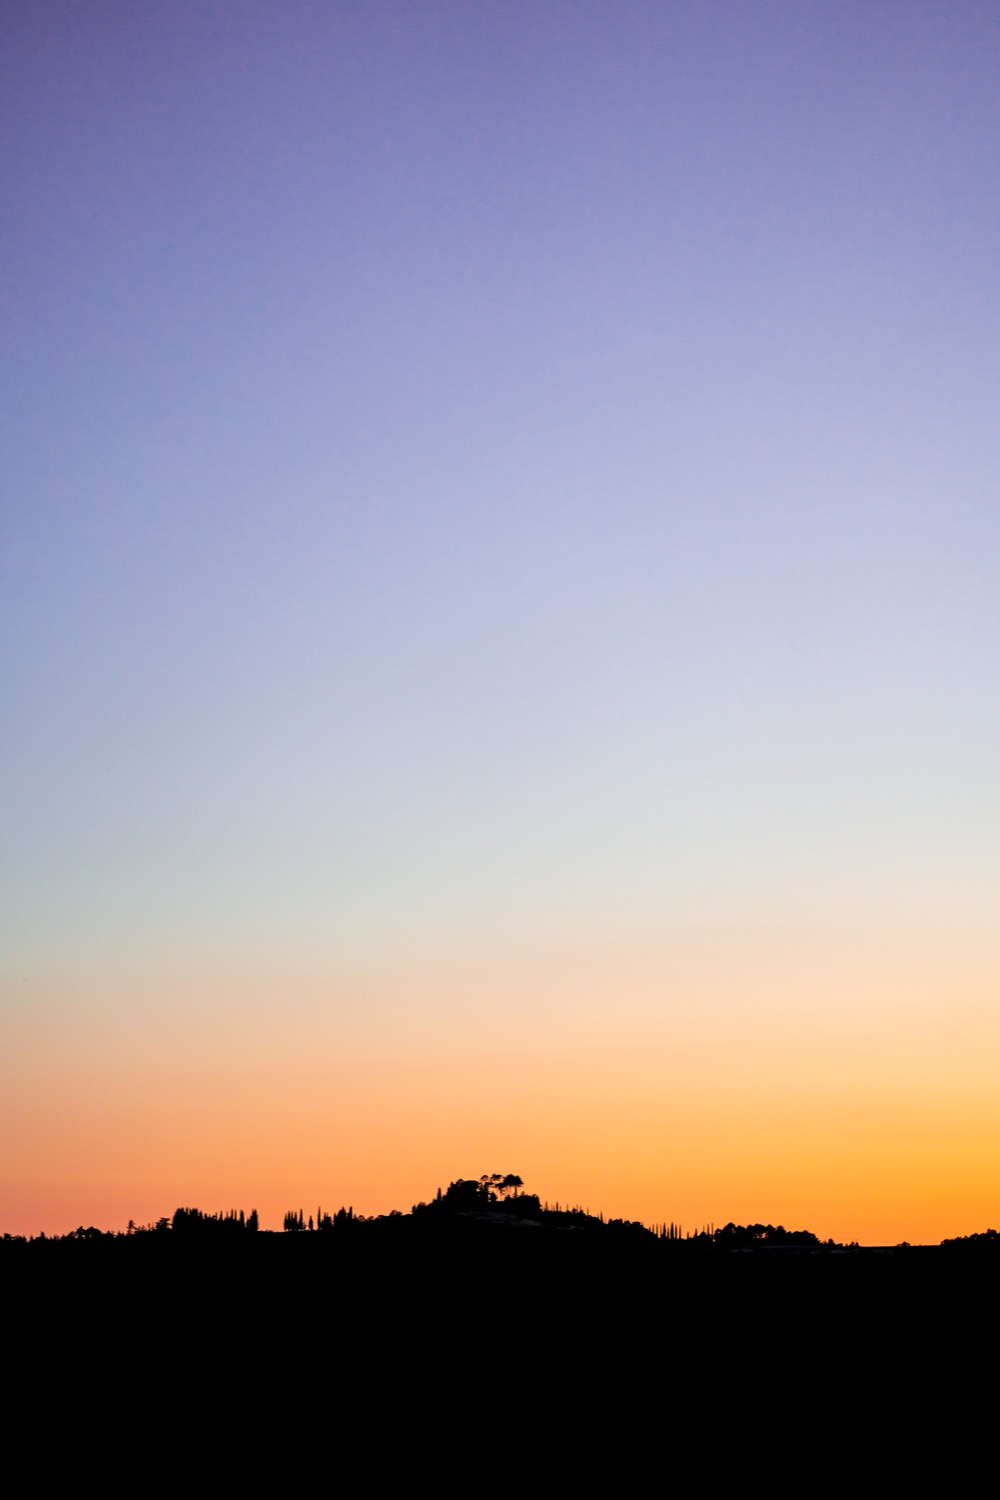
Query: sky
[(498, 609)]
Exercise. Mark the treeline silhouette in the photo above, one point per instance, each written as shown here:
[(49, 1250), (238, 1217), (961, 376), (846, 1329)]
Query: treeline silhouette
[(485, 1206)]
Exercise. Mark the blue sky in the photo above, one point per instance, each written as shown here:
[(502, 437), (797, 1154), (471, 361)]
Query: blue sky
[(494, 469)]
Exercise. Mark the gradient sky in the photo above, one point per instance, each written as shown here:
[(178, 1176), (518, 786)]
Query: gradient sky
[(500, 610)]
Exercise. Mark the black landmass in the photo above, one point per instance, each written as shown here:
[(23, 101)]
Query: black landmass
[(485, 1333)]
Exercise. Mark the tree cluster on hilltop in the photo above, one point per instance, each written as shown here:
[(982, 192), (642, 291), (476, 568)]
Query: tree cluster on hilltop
[(987, 1240), (493, 1192), (193, 1221), (755, 1236)]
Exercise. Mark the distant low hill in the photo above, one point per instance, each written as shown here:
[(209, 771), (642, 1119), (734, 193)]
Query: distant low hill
[(484, 1208)]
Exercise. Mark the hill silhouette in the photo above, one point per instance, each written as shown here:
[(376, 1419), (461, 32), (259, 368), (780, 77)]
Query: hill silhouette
[(486, 1315), (483, 1209)]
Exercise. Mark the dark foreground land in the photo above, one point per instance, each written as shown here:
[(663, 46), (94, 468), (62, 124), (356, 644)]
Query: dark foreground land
[(495, 1332)]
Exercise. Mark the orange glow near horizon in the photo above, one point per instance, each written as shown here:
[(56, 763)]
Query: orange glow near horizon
[(847, 1088)]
